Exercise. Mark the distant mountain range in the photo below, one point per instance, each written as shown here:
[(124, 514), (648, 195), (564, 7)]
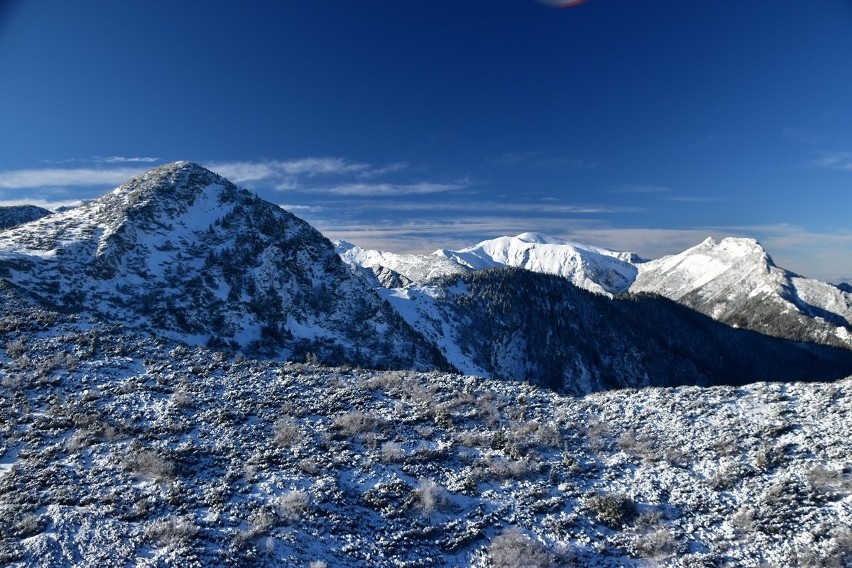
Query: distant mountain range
[(733, 281), (184, 254)]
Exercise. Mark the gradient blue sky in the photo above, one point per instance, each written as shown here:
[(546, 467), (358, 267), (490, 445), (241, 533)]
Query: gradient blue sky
[(642, 125)]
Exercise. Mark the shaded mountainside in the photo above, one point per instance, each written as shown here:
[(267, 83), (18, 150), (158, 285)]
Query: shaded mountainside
[(181, 251), (15, 215), (519, 325), (118, 449), (736, 282)]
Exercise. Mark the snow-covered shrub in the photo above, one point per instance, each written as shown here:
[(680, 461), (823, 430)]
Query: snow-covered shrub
[(471, 439), (27, 525), (286, 433), (500, 468), (425, 431), (181, 399), (429, 496), (146, 463), (656, 544), (640, 446), (612, 509), (392, 452), (514, 549), (171, 532), (261, 520), (308, 466), (16, 348), (353, 423), (292, 505), (827, 481)]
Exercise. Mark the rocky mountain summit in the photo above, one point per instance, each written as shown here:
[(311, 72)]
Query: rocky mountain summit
[(184, 253)]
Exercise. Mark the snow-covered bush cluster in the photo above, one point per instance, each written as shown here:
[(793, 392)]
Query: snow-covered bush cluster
[(135, 450)]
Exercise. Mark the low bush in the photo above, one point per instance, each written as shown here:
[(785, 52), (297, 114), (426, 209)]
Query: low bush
[(613, 510)]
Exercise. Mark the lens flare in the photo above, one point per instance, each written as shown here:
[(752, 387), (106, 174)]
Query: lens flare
[(561, 3)]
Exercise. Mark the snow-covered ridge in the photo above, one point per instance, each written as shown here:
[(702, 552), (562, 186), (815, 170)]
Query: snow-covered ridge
[(734, 280), (410, 267), (15, 215), (592, 268)]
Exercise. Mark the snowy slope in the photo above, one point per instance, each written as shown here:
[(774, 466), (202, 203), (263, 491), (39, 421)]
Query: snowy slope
[(396, 270), (121, 450), (592, 268), (184, 253), (736, 282)]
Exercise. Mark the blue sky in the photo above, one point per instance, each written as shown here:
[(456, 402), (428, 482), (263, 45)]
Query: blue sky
[(641, 125)]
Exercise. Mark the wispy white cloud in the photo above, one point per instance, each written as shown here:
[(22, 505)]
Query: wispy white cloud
[(663, 193), (301, 209), (834, 161), (124, 160), (284, 170), (59, 177), (106, 160), (44, 203), (389, 189), (321, 166), (633, 188), (544, 160), (547, 207), (693, 199)]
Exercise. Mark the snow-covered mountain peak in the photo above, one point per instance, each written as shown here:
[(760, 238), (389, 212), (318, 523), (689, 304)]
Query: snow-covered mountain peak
[(540, 238), (709, 259), (164, 191), (593, 268), (736, 281), (187, 253), (737, 246)]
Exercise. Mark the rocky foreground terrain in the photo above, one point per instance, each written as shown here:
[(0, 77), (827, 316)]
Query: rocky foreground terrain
[(118, 449)]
